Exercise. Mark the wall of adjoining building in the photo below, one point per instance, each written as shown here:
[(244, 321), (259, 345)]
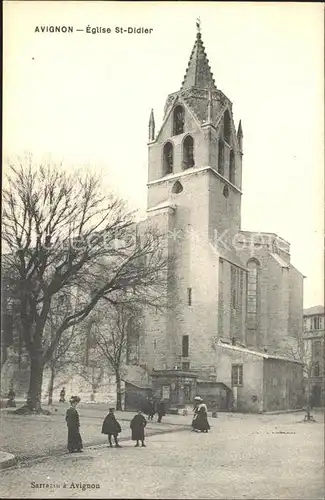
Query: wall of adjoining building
[(252, 386), (296, 284), (283, 382)]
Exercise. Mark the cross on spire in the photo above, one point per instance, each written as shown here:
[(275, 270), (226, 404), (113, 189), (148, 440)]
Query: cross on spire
[(198, 25)]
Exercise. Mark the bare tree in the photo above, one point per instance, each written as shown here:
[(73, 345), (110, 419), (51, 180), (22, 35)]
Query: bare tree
[(64, 358), (94, 375), (111, 329), (91, 363), (60, 234)]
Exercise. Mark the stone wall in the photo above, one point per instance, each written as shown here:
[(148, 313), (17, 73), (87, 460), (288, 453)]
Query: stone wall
[(244, 399)]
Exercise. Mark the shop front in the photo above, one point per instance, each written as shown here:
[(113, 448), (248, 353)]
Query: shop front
[(177, 388)]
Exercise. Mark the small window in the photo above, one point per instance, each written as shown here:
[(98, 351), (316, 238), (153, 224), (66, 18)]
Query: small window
[(189, 296), (316, 348), (227, 127), (155, 344), (185, 367), (226, 191), (177, 188), (316, 369), (316, 323), (185, 346), (178, 120), (237, 375), (232, 167), (221, 157)]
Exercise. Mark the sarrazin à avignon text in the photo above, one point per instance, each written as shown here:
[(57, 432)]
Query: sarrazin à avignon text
[(94, 30)]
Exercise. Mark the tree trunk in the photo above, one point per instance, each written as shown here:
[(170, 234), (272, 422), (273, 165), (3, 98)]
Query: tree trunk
[(93, 385), (308, 415), (35, 384), (118, 390), (51, 386)]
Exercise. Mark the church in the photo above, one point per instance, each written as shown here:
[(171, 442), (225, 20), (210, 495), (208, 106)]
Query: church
[(235, 301)]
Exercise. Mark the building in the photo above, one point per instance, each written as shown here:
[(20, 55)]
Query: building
[(314, 343), (235, 301)]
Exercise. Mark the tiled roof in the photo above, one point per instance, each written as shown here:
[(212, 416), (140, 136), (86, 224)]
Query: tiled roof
[(255, 353), (310, 311)]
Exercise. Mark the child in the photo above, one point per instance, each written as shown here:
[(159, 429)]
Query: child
[(137, 425), (111, 427)]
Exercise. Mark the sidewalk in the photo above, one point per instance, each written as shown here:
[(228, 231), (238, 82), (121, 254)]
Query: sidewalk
[(18, 432)]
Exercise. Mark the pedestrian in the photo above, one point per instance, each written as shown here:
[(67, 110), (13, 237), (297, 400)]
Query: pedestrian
[(200, 420), (112, 428), (62, 396), (151, 409), (11, 403), (161, 410), (137, 426), (73, 423)]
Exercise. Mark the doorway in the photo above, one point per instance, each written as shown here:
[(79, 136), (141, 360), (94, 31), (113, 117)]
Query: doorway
[(316, 395)]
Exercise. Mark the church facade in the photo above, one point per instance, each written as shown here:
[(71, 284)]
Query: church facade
[(235, 301)]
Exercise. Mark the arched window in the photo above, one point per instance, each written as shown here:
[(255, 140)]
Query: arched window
[(227, 126), (168, 158), (252, 294), (188, 152), (221, 147), (232, 169), (178, 127)]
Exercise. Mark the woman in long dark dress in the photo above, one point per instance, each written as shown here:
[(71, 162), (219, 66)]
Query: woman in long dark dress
[(111, 427), (137, 425), (200, 421), (73, 423)]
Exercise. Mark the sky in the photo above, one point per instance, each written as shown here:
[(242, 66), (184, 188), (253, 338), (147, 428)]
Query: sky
[(86, 98)]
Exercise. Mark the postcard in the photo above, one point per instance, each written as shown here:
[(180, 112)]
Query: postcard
[(162, 250)]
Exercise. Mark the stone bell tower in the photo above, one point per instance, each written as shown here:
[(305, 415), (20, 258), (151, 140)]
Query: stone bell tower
[(194, 194), (198, 146)]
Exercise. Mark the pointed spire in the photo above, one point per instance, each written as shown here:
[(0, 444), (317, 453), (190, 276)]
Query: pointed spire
[(151, 126), (240, 135), (240, 130), (198, 73)]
